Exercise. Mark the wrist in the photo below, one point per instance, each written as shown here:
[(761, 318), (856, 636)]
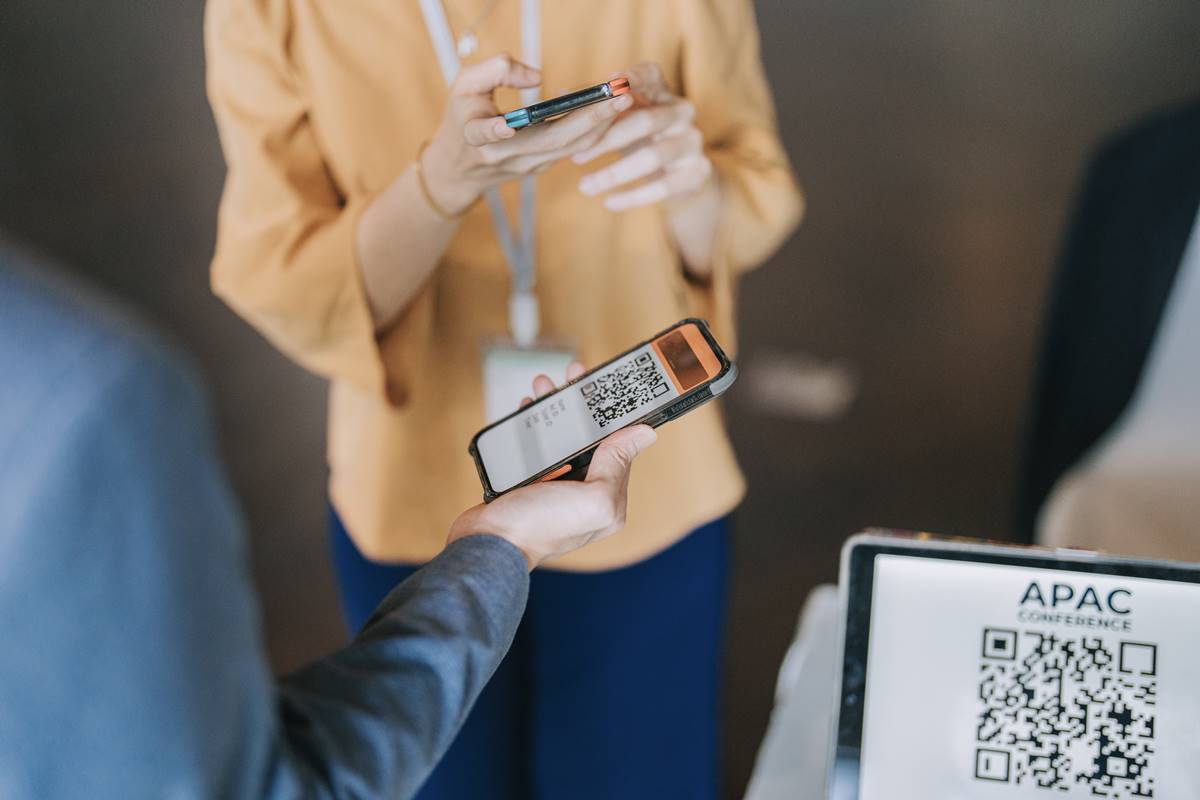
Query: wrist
[(450, 191), (705, 198), (469, 523), (694, 220)]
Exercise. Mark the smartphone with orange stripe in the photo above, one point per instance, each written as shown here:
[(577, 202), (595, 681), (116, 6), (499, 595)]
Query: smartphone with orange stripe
[(664, 377), (557, 106)]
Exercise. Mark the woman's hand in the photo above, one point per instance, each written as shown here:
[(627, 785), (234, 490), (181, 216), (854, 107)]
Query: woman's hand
[(401, 236), (474, 149), (660, 142), (553, 518)]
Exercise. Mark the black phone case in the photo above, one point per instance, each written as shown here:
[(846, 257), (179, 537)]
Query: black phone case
[(579, 461), (557, 106)]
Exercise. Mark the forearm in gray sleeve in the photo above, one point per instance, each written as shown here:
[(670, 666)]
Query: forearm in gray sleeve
[(374, 718)]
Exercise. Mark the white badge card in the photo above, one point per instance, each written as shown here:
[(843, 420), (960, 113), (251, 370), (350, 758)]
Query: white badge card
[(508, 374)]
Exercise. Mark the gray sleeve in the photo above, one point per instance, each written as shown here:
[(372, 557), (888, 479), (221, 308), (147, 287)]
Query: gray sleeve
[(132, 663), (373, 719)]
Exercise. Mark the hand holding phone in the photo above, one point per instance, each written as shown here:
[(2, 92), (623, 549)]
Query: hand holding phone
[(564, 104), (660, 145), (556, 435), (551, 519), (475, 149)]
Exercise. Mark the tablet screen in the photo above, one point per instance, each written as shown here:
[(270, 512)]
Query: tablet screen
[(1018, 683)]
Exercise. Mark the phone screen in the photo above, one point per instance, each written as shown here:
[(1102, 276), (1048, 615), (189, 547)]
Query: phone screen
[(638, 383)]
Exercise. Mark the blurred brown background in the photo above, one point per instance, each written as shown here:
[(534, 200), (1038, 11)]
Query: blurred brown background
[(938, 142)]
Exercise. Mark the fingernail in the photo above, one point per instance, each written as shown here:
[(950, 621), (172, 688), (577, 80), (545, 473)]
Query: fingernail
[(623, 102), (587, 186), (580, 158)]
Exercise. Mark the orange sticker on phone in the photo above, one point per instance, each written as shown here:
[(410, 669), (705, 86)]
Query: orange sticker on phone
[(687, 356), (558, 473)]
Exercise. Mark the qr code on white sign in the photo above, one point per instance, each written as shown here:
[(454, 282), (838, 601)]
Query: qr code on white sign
[(1061, 713), (625, 387)]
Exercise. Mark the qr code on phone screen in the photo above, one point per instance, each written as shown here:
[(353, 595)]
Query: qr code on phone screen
[(623, 388), (1061, 713)]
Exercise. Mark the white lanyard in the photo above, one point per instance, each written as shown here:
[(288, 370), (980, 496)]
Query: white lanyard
[(523, 314)]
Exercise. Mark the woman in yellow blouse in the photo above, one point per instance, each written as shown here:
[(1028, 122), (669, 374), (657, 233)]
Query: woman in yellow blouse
[(350, 234)]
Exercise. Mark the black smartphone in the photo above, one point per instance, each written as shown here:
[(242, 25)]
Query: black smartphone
[(556, 107), (553, 438)]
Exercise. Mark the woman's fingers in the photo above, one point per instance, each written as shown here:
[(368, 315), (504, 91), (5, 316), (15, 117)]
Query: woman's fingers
[(554, 139), (639, 125), (473, 88), (501, 70), (682, 178), (644, 195), (537, 163), (494, 152), (648, 81), (643, 162), (542, 386), (489, 130)]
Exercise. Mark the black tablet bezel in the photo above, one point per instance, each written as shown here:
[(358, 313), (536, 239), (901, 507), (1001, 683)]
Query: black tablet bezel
[(858, 582)]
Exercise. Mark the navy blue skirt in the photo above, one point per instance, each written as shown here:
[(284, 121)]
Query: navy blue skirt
[(611, 689)]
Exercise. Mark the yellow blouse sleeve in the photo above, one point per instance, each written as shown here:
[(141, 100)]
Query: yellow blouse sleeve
[(285, 256), (721, 73)]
